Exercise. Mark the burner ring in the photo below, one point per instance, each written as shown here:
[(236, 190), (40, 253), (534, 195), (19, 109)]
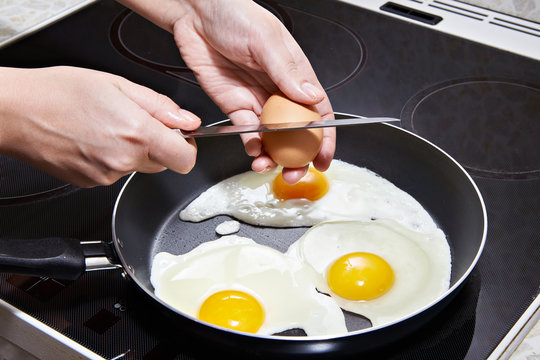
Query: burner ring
[(41, 196), (142, 42), (22, 184), (489, 125)]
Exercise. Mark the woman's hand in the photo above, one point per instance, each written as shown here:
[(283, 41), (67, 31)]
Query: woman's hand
[(91, 128), (241, 54)]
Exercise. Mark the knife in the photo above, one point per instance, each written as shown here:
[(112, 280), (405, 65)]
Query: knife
[(341, 120)]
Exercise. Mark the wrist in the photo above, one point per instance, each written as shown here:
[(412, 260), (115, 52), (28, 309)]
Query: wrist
[(164, 14), (8, 104)]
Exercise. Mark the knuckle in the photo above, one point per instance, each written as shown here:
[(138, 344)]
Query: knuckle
[(136, 132), (116, 163), (99, 178), (123, 164), (108, 180), (161, 100)]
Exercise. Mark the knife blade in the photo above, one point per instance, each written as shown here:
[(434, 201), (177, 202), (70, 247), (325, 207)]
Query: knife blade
[(341, 120)]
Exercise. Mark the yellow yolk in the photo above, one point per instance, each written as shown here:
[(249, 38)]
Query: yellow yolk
[(312, 186), (360, 276), (234, 310)]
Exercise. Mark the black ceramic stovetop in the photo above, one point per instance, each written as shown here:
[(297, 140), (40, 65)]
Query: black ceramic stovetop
[(480, 104)]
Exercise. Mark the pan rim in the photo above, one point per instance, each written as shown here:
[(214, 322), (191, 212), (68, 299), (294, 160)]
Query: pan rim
[(316, 338)]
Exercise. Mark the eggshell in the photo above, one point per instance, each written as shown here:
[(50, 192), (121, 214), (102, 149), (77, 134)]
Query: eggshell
[(290, 148)]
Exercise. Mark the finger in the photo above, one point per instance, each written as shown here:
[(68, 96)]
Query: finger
[(164, 147), (178, 119), (159, 106), (290, 70), (292, 176), (252, 144), (169, 149), (288, 67), (252, 141), (324, 108), (263, 163), (151, 167), (328, 147)]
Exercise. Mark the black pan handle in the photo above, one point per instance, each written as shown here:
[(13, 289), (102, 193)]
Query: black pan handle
[(55, 257)]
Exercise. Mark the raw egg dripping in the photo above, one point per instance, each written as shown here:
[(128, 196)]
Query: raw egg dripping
[(313, 186)]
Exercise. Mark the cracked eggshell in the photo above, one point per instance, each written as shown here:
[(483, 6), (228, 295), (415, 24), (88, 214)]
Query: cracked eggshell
[(291, 148)]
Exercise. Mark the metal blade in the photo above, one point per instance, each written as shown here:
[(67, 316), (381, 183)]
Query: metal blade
[(219, 130)]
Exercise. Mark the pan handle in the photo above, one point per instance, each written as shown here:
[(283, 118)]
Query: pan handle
[(55, 257)]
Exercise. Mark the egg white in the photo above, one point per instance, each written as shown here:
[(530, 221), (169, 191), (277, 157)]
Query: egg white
[(228, 227), (283, 285), (421, 263), (354, 194), (361, 212)]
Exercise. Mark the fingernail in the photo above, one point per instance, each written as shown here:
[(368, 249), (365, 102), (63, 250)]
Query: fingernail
[(187, 116), (310, 90)]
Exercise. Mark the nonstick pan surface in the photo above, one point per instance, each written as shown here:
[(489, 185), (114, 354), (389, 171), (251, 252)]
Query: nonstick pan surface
[(146, 222)]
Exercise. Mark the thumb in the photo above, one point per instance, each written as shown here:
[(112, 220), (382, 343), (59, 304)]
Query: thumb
[(160, 107), (165, 146), (288, 67)]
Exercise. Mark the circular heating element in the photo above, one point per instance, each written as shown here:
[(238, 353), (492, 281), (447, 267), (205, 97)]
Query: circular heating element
[(490, 126), (336, 53), (20, 183)]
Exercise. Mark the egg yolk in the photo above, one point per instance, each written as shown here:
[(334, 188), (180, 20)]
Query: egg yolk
[(312, 186), (234, 310), (360, 276)]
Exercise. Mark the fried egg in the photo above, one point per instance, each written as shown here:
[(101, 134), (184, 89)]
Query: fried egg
[(238, 284), (378, 269), (343, 192)]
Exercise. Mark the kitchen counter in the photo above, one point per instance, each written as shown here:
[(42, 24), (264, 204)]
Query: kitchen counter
[(529, 348), (526, 9), (20, 18)]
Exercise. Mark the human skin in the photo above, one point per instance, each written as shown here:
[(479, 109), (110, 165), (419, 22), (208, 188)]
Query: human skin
[(90, 128), (241, 54)]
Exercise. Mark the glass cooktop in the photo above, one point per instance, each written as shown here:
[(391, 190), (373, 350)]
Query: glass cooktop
[(478, 103)]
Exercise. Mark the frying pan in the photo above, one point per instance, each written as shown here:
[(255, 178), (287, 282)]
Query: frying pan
[(145, 221)]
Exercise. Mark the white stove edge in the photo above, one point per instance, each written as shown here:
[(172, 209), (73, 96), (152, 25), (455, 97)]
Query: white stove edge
[(498, 30), (38, 339), (45, 343), (521, 342)]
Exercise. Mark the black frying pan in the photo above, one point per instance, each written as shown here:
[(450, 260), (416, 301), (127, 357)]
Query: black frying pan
[(145, 222)]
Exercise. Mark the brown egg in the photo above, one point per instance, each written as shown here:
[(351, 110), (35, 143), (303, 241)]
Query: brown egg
[(290, 148)]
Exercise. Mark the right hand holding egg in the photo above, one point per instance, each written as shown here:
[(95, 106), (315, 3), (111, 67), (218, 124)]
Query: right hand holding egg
[(240, 61)]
